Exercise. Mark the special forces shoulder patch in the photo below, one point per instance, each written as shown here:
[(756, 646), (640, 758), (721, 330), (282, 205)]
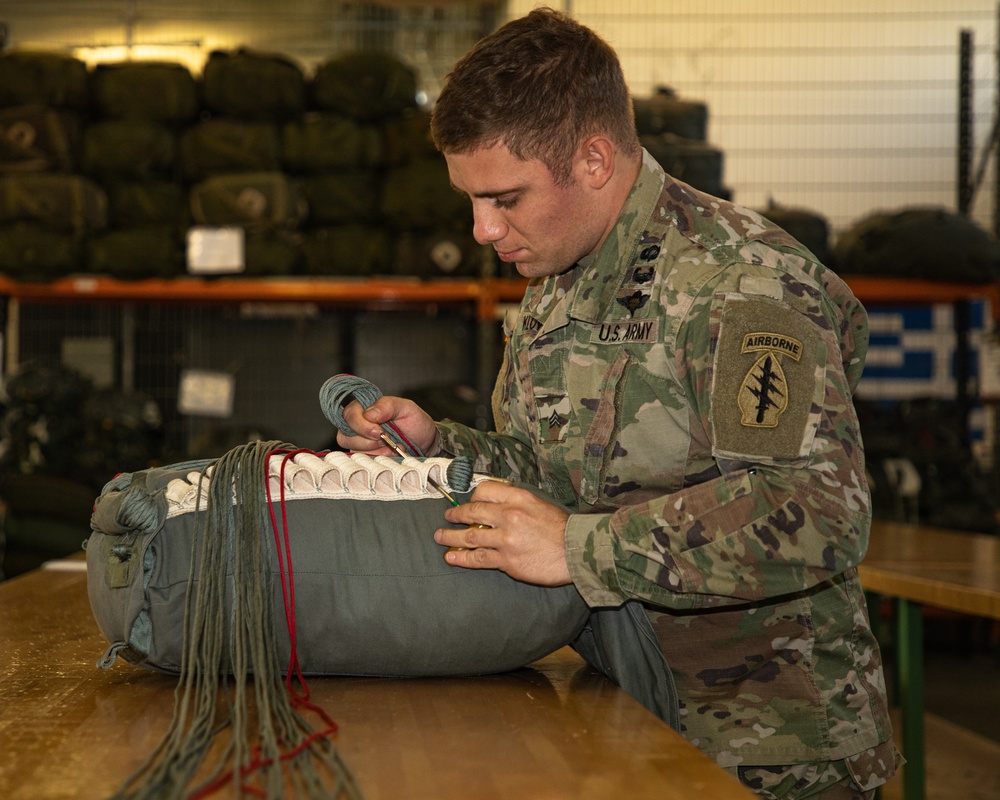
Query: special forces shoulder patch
[(763, 395), (768, 374)]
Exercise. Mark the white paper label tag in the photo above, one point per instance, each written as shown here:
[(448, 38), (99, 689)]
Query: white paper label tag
[(215, 251), (206, 393)]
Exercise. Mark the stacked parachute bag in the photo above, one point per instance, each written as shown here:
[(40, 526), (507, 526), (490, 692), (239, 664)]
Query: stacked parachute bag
[(231, 159), (131, 147), (338, 160), (45, 221), (61, 439), (432, 223), (46, 210), (925, 243), (42, 487), (675, 132), (269, 206), (57, 423), (253, 85), (808, 227), (46, 78), (123, 431), (340, 150), (930, 436), (37, 138), (42, 426)]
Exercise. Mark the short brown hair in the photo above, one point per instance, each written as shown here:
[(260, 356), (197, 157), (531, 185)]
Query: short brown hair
[(538, 85)]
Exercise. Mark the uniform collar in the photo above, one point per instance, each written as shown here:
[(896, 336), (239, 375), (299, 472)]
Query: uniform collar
[(589, 290), (601, 282)]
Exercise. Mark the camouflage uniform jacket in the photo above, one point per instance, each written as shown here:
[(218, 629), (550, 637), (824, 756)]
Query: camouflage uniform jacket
[(688, 393)]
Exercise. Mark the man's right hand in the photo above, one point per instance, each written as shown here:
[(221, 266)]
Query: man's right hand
[(412, 421)]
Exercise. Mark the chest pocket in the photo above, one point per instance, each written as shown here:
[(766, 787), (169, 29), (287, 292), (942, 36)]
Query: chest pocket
[(609, 418), (637, 443)]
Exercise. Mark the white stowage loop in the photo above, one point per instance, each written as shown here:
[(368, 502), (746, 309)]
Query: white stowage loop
[(182, 493), (344, 470), (338, 474), (399, 477), (313, 474), (333, 475)]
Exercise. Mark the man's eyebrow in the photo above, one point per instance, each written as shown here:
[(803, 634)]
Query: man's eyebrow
[(491, 192)]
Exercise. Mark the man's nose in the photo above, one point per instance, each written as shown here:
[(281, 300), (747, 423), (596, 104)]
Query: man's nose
[(487, 224)]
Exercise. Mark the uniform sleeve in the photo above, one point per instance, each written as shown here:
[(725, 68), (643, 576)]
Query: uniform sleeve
[(506, 453), (496, 454), (784, 504)]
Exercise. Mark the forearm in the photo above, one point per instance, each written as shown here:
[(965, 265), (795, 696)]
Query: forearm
[(748, 535), (499, 455)]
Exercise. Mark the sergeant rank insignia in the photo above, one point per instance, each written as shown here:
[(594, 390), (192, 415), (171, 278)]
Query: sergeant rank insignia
[(763, 394)]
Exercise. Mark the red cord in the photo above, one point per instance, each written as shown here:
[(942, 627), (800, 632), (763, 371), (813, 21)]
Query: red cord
[(283, 548), (283, 543)]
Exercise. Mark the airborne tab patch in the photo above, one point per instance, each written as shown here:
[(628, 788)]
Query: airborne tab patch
[(766, 380), (772, 341)]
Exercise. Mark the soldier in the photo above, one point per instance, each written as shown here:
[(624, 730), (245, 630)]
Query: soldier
[(679, 377)]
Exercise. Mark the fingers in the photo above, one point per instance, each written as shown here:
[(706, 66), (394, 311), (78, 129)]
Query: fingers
[(476, 558), (367, 439), (367, 422), (494, 504), (525, 536), (468, 538), (367, 426)]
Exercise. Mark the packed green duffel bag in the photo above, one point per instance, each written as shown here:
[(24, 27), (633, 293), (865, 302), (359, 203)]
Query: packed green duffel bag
[(139, 149), (350, 250), (137, 253), (36, 77), (159, 90), (134, 204), (39, 139), (366, 85), (407, 137), (420, 195), (322, 142), (251, 84), (217, 146), (928, 243), (665, 112), (35, 253), (253, 200), (693, 162), (440, 253), (337, 198), (55, 200), (271, 254)]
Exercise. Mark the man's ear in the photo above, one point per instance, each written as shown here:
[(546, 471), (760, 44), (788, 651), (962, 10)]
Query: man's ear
[(597, 158)]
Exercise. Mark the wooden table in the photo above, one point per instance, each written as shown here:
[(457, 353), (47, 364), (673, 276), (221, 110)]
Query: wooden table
[(918, 565), (553, 730)]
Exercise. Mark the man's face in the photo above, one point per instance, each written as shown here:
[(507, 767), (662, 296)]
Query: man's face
[(517, 207)]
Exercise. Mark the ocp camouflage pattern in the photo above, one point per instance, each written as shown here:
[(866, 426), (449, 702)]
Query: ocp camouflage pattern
[(687, 391)]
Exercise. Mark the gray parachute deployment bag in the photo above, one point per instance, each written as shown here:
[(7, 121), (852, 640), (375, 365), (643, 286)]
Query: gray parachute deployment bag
[(373, 593)]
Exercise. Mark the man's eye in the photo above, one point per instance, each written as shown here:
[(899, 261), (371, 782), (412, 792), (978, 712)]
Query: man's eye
[(505, 202)]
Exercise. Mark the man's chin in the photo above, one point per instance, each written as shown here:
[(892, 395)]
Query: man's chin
[(535, 269)]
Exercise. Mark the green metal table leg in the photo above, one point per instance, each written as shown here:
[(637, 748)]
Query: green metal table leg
[(910, 675)]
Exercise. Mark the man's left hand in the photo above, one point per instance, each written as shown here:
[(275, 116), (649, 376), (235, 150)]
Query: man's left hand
[(525, 537)]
